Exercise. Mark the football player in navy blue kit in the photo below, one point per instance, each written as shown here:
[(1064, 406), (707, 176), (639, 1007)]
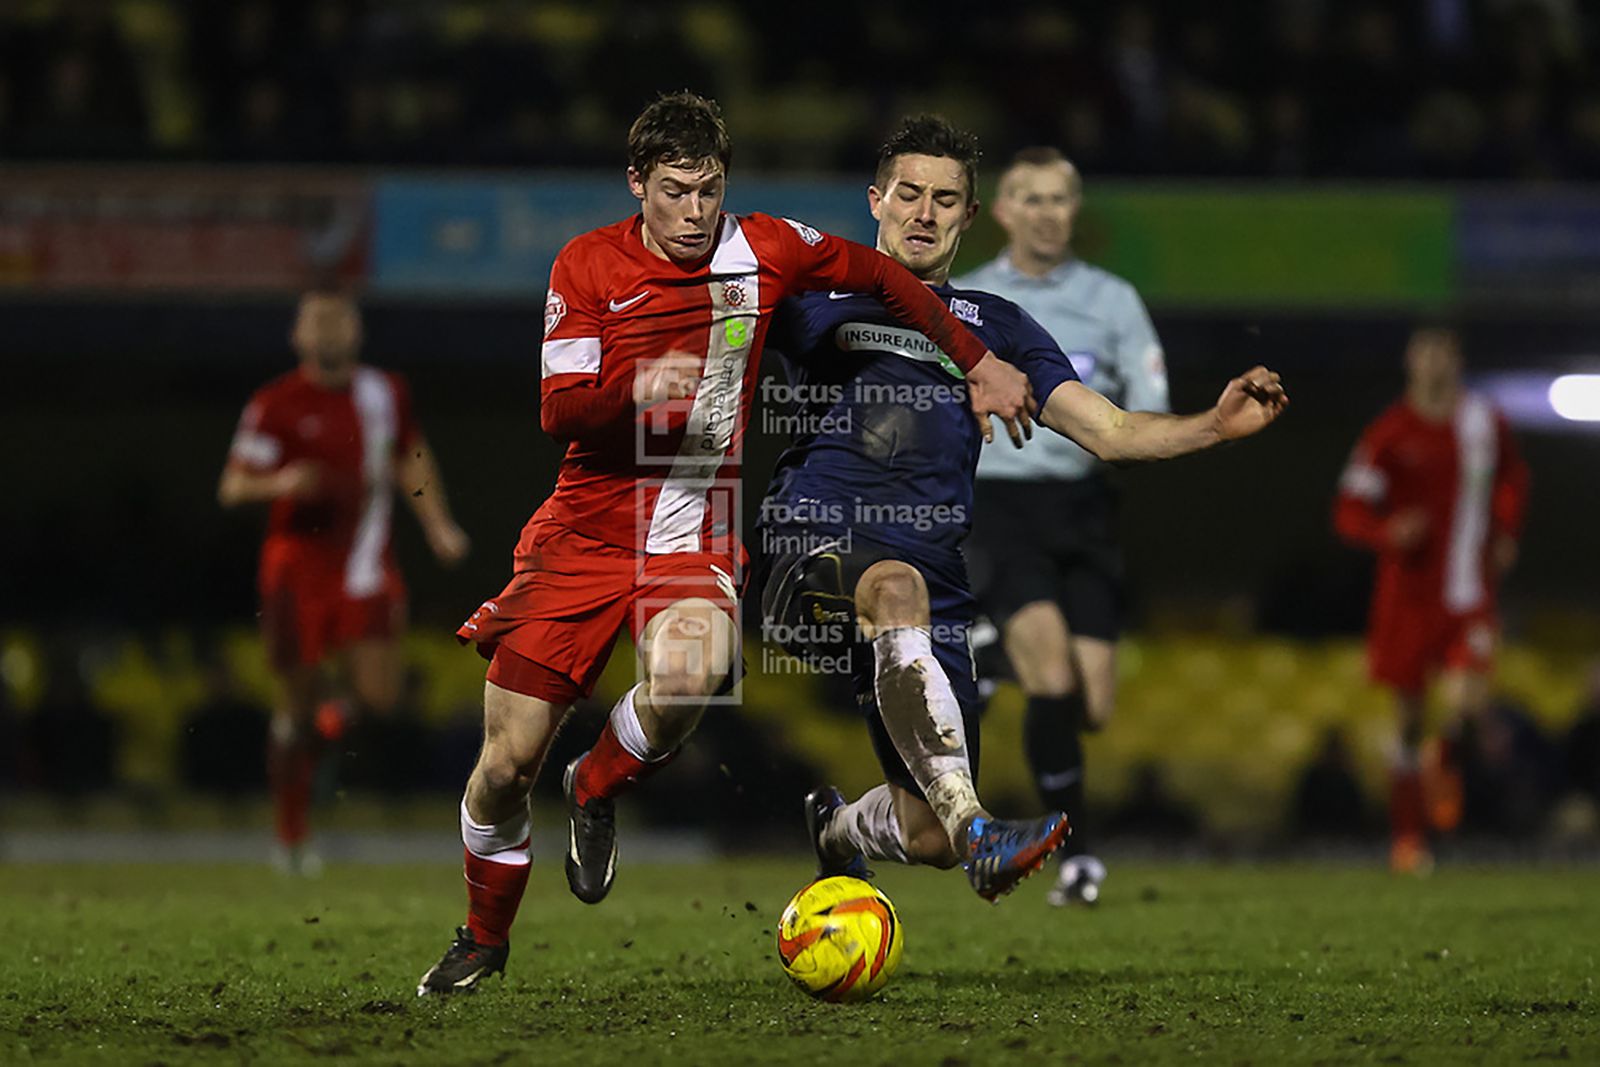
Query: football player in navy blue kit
[(862, 524)]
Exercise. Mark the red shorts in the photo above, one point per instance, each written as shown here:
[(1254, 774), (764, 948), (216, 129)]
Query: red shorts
[(306, 618), (1406, 648), (571, 597)]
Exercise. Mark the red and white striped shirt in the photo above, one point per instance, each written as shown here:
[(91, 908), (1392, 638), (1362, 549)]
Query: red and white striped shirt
[(667, 479), (1465, 475), (340, 535)]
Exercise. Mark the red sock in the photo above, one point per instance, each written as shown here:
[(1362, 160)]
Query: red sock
[(291, 767), (1407, 814), (609, 770), (1449, 752), (493, 892)]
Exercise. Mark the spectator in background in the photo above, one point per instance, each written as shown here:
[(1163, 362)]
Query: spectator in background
[(71, 740), (1328, 802), (10, 742), (1511, 773), (390, 754), (1276, 87), (1582, 744), (223, 738), (79, 93), (1150, 811)]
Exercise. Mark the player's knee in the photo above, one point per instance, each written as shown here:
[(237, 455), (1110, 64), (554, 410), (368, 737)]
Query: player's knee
[(683, 684), (892, 593), (503, 769), (1049, 678), (930, 847), (1098, 712)]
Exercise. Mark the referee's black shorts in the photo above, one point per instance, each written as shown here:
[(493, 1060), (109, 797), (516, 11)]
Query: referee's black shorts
[(1049, 540)]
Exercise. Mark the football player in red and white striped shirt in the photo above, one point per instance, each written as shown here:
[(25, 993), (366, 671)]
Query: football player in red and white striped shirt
[(653, 334), (326, 445), (1437, 488)]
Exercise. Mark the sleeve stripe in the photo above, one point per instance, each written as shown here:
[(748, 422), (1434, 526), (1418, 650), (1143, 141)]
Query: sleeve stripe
[(1364, 483), (573, 355), (256, 449)]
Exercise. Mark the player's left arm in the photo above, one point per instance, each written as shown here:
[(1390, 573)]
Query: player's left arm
[(1247, 406), (1509, 501), (416, 475)]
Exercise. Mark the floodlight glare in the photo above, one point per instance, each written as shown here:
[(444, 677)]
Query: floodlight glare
[(1576, 397)]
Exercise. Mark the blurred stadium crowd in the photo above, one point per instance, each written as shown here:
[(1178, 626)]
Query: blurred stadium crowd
[(1223, 743), (1503, 89)]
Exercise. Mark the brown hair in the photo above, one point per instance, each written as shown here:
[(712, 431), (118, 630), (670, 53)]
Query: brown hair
[(930, 135), (681, 127), (1043, 156)]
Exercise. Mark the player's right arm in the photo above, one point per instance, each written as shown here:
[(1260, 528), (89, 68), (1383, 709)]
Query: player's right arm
[(255, 471), (574, 402), (1364, 514)]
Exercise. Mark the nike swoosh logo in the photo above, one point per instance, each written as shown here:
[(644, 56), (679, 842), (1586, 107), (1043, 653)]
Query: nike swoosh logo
[(624, 305), (834, 294)]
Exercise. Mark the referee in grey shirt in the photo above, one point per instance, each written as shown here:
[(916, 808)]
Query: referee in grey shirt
[(1053, 585)]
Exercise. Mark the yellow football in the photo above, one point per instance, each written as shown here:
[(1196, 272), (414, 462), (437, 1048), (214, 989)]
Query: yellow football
[(840, 939)]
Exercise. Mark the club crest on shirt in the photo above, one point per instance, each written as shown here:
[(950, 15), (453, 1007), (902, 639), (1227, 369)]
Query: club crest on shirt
[(966, 311), (733, 294), (807, 234), (555, 309)]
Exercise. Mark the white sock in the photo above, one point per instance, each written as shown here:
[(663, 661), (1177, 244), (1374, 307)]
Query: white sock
[(922, 716), (630, 731), (869, 826), (505, 842)]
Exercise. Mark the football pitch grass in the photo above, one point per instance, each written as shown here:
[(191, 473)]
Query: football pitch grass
[(148, 964)]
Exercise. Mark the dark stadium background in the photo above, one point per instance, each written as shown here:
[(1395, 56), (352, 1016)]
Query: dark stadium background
[(1239, 169)]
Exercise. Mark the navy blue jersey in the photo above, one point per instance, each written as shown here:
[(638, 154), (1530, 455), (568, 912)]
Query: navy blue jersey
[(884, 440)]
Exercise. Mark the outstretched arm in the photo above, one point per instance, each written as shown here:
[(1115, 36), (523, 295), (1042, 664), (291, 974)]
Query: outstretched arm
[(1248, 405), (242, 485), (417, 476)]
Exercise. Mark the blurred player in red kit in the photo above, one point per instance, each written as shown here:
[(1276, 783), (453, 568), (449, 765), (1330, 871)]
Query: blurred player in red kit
[(1437, 488), (653, 334), (326, 446)]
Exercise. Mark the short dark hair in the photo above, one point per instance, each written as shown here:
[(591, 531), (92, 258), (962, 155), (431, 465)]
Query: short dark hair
[(930, 135), (680, 127), (1043, 156)]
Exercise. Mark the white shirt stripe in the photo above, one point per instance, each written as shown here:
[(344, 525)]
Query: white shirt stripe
[(1469, 526), (571, 355), (374, 401), (678, 517)]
